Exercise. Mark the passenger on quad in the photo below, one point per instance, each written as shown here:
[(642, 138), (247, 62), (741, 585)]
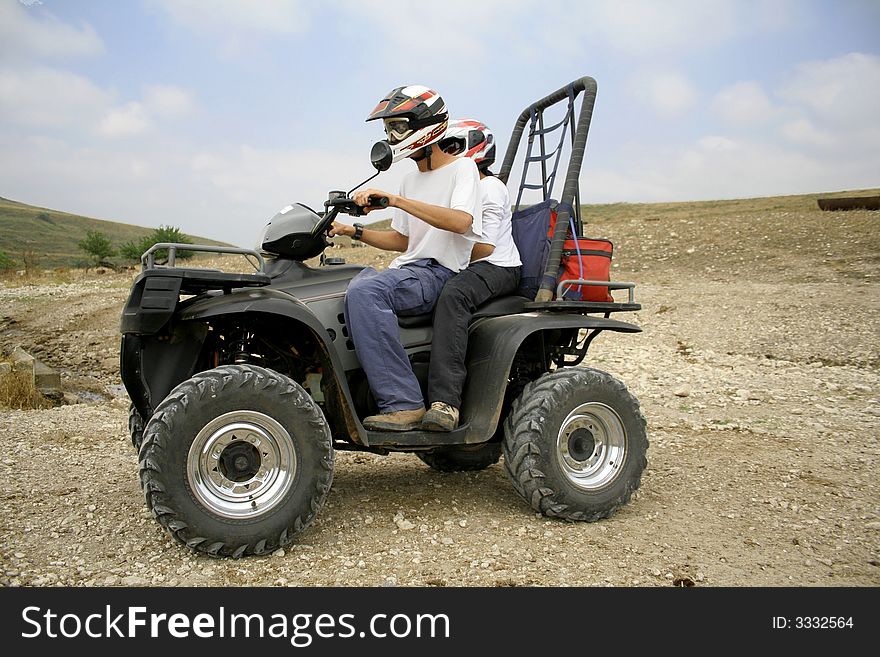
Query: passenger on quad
[(494, 272), (436, 221)]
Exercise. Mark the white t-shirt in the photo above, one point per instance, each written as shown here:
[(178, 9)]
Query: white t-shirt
[(455, 186), (497, 229)]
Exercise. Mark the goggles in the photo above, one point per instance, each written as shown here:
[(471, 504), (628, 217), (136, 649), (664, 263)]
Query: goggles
[(397, 130)]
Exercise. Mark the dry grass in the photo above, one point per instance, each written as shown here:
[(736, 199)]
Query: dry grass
[(61, 276), (17, 391)]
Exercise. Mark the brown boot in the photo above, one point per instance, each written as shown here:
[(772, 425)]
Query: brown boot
[(441, 417), (395, 421)]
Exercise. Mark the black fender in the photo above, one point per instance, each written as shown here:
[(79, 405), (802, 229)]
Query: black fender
[(149, 378), (492, 345), (281, 306), (290, 309)]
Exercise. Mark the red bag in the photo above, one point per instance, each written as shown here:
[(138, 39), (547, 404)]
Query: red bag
[(586, 259)]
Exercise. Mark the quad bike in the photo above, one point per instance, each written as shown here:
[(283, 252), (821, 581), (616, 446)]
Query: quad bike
[(243, 386)]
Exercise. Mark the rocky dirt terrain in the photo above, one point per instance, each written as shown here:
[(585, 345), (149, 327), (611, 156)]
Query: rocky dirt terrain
[(757, 372)]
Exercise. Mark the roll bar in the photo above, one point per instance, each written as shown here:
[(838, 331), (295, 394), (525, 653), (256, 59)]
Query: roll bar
[(570, 190)]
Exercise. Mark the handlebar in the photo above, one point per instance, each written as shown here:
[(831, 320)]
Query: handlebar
[(346, 205), (340, 202)]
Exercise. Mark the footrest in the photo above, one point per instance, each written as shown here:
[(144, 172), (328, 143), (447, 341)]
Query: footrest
[(416, 438), (582, 306)]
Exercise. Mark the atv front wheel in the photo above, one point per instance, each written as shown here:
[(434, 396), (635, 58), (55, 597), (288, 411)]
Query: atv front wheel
[(135, 427), (236, 460), (575, 444), (469, 458)]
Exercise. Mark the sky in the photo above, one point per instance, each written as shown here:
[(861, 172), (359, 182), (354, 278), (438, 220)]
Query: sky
[(211, 115)]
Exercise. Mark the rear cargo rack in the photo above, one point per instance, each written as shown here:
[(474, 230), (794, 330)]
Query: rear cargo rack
[(606, 307), (148, 259), (194, 280)]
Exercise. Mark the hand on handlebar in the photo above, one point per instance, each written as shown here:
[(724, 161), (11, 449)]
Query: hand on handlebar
[(368, 199), (341, 229)]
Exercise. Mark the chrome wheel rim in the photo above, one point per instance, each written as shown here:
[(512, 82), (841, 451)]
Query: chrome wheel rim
[(241, 464), (591, 446)]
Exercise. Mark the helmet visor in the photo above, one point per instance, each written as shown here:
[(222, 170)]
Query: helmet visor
[(475, 138), (397, 129), (452, 145)]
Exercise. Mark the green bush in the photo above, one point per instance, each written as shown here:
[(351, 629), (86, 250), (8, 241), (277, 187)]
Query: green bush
[(6, 262), (134, 249), (97, 245)]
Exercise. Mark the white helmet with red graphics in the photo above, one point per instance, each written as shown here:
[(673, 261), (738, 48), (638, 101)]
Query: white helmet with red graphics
[(414, 116), (472, 139)]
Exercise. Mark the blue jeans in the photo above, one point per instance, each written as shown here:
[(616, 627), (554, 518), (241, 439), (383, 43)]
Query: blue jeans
[(373, 302)]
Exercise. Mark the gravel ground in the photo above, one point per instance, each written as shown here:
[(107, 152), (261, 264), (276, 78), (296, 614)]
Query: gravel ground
[(757, 372)]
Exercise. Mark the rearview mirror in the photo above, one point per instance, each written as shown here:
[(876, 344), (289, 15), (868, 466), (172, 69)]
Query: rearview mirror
[(381, 155)]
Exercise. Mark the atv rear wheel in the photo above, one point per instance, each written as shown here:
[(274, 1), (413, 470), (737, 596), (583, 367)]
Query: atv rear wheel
[(468, 458), (236, 460), (575, 444)]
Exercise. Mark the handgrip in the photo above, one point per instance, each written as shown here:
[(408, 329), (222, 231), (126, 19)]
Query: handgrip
[(378, 201)]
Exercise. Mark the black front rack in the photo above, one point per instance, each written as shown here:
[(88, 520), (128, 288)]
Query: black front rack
[(194, 280)]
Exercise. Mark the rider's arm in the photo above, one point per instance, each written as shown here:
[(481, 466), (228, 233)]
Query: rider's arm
[(456, 221), (388, 240), (493, 215)]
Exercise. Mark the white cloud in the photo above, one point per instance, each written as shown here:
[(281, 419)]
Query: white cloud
[(645, 26), (247, 175), (714, 143), (802, 131), (168, 101), (773, 15), (34, 32), (743, 102), (843, 91), (49, 98), (648, 27), (237, 20), (669, 94), (237, 28), (124, 121), (471, 32), (97, 179), (467, 28), (834, 104), (722, 167), (52, 99)]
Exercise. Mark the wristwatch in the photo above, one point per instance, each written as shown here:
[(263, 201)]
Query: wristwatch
[(358, 232)]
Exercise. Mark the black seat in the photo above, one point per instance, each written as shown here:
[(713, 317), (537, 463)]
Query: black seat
[(508, 305), (414, 321)]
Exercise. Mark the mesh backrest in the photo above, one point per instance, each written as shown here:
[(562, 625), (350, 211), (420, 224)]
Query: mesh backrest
[(530, 227)]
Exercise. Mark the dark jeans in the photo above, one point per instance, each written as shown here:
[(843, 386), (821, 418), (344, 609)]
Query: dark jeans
[(373, 302), (465, 291)]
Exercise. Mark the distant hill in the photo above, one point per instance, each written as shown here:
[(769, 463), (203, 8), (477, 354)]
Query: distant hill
[(610, 212), (53, 235)]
